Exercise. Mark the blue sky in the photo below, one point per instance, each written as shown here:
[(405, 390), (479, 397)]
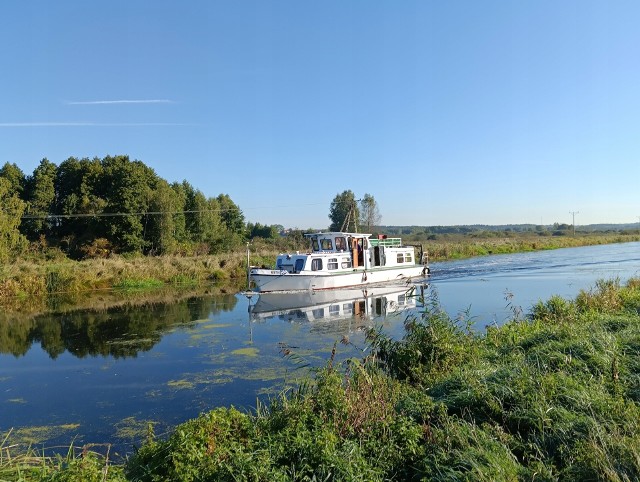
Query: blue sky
[(456, 112)]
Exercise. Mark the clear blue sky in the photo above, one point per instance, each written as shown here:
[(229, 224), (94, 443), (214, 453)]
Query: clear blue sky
[(447, 112)]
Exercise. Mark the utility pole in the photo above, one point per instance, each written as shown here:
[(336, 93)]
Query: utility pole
[(573, 213)]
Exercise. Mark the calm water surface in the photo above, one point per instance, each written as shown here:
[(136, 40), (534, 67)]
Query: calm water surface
[(102, 376)]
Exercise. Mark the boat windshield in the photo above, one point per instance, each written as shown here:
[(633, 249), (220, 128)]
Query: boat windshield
[(326, 244)]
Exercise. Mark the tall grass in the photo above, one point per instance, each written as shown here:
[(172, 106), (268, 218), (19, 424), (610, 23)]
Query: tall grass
[(29, 280), (19, 464)]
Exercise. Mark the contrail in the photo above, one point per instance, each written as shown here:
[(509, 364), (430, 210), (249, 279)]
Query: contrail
[(140, 101), (91, 124)]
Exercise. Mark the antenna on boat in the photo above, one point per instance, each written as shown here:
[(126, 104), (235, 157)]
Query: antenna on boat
[(248, 293), (347, 219)]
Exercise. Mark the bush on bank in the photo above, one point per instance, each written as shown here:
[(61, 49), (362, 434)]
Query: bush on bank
[(555, 396)]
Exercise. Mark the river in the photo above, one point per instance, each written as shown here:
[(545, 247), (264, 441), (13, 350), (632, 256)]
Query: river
[(104, 376)]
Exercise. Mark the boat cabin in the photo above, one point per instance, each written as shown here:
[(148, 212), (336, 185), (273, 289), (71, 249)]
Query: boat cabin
[(332, 252)]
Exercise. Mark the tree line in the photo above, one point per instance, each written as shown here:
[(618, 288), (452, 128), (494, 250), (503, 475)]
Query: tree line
[(93, 207), (90, 208)]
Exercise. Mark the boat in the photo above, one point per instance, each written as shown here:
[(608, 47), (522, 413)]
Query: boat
[(330, 305), (342, 260)]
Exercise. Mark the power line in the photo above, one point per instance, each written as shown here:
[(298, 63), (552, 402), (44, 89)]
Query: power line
[(110, 215)]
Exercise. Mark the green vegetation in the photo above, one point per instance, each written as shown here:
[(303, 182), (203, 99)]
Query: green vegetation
[(555, 396), (93, 208)]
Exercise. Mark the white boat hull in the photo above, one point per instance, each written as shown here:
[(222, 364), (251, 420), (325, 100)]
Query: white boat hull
[(266, 280)]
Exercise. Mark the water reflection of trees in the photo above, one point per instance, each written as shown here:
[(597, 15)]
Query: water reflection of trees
[(118, 331)]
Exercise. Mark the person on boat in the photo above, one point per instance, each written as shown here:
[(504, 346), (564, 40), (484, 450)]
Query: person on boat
[(360, 257)]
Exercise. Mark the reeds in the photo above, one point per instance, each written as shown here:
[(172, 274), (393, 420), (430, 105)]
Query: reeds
[(87, 464)]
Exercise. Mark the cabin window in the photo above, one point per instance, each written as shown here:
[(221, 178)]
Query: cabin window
[(299, 265), (334, 310), (401, 300), (407, 258), (326, 244), (400, 258), (318, 313), (315, 245), (347, 308), (346, 263), (341, 244), (332, 263), (316, 264)]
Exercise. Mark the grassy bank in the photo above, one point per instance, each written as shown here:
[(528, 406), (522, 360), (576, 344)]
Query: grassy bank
[(448, 247), (37, 278), (35, 281), (555, 396)]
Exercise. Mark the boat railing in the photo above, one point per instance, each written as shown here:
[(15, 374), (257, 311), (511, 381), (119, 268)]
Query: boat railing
[(386, 242)]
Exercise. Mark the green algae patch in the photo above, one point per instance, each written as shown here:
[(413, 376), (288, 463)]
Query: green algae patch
[(16, 400), (249, 351), (210, 326), (181, 384), (263, 374), (37, 434), (131, 428)]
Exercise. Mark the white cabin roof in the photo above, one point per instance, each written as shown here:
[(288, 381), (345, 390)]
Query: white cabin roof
[(338, 233)]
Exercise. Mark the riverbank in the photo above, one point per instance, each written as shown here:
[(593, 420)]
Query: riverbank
[(28, 284), (553, 397)]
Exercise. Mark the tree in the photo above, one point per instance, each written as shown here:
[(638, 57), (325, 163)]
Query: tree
[(80, 190), (203, 219), (231, 214), (369, 213), (342, 207), (11, 210), (262, 231), (40, 195), (160, 227), (15, 176), (129, 187), (179, 215)]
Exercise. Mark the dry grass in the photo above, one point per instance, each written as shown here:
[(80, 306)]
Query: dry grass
[(26, 280)]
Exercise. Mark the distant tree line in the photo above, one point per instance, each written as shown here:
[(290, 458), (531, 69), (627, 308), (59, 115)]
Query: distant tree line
[(93, 207), (485, 230)]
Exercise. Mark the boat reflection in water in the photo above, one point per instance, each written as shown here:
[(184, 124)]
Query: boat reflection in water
[(327, 305)]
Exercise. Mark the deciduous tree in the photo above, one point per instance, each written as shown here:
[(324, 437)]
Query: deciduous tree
[(344, 208), (40, 195), (11, 210), (369, 213)]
